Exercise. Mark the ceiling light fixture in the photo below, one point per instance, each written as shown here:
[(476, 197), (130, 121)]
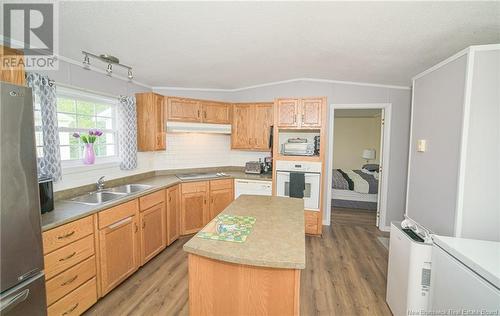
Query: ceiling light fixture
[(108, 59)]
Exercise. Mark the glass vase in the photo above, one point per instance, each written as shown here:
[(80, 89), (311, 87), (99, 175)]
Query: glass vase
[(89, 154)]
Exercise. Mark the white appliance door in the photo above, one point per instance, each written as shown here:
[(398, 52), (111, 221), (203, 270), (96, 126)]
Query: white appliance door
[(252, 187), (311, 192), (456, 287)]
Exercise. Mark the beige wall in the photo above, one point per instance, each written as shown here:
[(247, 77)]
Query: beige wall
[(351, 136)]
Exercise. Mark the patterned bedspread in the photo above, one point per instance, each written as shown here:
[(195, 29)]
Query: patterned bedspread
[(355, 180)]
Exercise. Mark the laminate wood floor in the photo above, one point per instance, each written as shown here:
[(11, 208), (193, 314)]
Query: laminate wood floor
[(345, 275)]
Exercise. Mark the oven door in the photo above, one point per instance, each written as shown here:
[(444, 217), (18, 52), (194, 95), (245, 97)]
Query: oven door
[(311, 193)]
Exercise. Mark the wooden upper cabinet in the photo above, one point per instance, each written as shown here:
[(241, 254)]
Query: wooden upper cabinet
[(287, 111), (251, 126), (151, 129), (183, 110), (311, 112), (242, 126), (153, 232), (173, 214), (300, 113), (262, 122), (216, 112), (14, 75), (194, 206)]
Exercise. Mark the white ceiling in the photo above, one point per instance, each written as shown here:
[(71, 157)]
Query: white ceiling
[(237, 44)]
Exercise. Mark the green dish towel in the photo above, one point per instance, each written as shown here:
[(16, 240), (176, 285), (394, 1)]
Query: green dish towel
[(226, 227)]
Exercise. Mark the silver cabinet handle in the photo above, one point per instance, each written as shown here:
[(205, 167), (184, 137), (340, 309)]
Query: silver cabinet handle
[(66, 235), (68, 257), (120, 223), (69, 311), (12, 302)]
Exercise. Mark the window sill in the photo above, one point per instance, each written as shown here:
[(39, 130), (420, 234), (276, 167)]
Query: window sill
[(78, 167)]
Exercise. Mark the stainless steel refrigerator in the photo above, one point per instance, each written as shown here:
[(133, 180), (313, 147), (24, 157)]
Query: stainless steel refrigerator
[(21, 262)]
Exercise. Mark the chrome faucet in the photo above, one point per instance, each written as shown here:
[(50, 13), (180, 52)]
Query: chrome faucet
[(100, 184)]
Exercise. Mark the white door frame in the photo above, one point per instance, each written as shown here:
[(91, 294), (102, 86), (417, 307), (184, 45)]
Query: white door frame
[(383, 190)]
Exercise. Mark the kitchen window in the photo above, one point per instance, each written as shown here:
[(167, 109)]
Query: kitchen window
[(80, 112)]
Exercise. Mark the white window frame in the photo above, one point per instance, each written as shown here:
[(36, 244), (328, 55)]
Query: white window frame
[(69, 165)]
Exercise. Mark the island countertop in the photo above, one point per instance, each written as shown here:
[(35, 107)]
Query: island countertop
[(277, 239)]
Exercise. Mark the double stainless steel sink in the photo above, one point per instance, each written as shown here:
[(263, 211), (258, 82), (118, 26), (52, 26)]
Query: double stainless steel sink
[(107, 195)]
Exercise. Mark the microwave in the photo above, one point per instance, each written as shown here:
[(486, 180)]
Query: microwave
[(297, 149), (46, 190)]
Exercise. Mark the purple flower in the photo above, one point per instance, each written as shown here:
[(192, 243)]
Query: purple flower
[(91, 132), (76, 135)]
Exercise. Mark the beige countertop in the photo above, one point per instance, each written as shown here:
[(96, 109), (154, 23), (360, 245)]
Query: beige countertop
[(67, 211), (277, 239)]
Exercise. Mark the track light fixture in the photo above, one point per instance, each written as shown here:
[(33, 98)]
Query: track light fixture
[(109, 59), (109, 70), (86, 62)]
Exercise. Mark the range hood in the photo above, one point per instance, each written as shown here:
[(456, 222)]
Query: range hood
[(183, 127)]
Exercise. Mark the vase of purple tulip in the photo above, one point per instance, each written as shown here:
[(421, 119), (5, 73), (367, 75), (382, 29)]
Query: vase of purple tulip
[(89, 140)]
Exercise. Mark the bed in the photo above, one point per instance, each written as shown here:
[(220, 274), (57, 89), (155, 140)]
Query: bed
[(357, 189)]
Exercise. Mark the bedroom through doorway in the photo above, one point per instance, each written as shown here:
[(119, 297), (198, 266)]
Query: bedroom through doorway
[(358, 135)]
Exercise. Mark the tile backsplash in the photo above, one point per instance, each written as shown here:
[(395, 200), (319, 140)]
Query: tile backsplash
[(193, 150), (184, 150)]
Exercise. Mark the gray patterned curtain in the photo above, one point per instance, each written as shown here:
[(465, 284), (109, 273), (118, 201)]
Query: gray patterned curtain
[(127, 133), (44, 96)]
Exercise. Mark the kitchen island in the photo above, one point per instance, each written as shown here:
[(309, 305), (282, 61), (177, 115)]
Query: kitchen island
[(258, 276)]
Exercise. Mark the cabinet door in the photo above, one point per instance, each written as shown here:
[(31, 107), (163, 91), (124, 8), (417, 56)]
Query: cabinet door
[(242, 129), (14, 75), (262, 122), (161, 129), (118, 245), (183, 110), (287, 110), (219, 200), (173, 214), (216, 112), (153, 232), (151, 130), (194, 211), (311, 112)]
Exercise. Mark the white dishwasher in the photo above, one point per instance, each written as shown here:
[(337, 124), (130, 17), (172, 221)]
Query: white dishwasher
[(253, 187)]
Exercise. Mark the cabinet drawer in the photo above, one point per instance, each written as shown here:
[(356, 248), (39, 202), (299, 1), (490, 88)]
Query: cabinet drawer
[(66, 257), (117, 213), (61, 236), (221, 184), (76, 302), (193, 187), (152, 199), (70, 279)]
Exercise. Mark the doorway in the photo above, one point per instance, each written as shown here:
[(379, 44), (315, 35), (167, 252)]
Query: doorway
[(359, 141)]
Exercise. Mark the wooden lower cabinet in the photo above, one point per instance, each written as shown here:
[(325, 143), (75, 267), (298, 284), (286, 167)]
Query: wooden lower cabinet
[(223, 288), (313, 222), (173, 215), (221, 195), (153, 231), (202, 201), (118, 244), (76, 302), (194, 211), (70, 267)]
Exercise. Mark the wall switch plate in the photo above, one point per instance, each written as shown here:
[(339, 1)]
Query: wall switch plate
[(421, 145)]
